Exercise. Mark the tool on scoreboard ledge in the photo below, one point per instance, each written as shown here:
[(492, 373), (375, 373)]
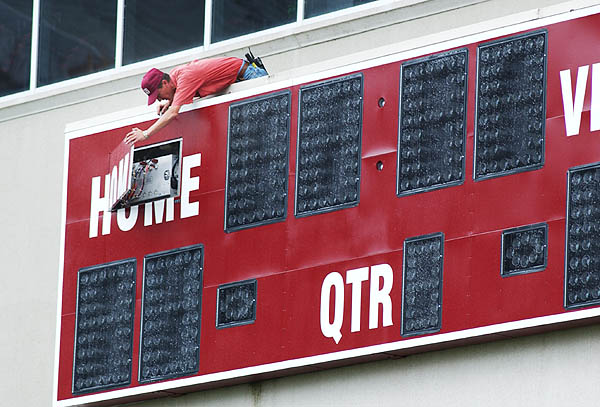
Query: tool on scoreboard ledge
[(255, 61)]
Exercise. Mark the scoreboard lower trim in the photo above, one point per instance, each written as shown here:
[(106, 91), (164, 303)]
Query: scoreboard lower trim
[(347, 357)]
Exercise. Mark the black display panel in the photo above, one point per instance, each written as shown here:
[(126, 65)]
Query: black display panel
[(433, 116), (257, 161), (104, 326), (511, 105), (236, 304), (329, 145), (171, 314), (582, 263), (422, 284), (524, 249)]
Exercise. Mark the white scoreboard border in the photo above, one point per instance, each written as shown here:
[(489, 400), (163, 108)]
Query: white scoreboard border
[(409, 49)]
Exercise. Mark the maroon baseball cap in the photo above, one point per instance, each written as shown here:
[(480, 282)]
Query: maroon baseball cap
[(150, 84)]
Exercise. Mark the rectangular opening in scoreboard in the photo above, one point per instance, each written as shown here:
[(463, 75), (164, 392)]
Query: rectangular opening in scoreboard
[(511, 105), (171, 314), (582, 260), (104, 326), (433, 115), (257, 161), (422, 284), (329, 145), (154, 174)]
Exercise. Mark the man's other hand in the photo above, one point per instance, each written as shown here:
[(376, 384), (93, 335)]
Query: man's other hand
[(163, 106), (134, 136)]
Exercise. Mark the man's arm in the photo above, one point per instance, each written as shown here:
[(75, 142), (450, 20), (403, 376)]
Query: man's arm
[(136, 134)]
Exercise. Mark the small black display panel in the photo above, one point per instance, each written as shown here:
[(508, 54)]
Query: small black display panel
[(524, 249), (236, 304)]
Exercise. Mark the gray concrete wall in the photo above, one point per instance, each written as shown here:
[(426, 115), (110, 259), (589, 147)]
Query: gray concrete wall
[(554, 369), (551, 370)]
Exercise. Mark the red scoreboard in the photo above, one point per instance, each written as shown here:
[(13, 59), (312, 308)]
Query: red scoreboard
[(418, 201)]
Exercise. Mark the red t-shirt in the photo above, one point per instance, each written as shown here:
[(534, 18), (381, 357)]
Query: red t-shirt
[(203, 77)]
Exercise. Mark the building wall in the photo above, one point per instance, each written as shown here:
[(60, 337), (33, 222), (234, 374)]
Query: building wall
[(551, 369), (554, 369)]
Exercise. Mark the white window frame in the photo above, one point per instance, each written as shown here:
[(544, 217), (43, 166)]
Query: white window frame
[(207, 49)]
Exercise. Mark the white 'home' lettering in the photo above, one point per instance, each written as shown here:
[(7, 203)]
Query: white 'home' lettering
[(154, 212)]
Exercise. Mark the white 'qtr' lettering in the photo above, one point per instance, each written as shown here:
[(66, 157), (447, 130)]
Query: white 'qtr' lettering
[(381, 295), (332, 329), (381, 281), (356, 277)]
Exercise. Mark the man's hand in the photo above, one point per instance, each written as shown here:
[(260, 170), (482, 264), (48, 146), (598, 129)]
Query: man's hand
[(163, 106), (134, 136)]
